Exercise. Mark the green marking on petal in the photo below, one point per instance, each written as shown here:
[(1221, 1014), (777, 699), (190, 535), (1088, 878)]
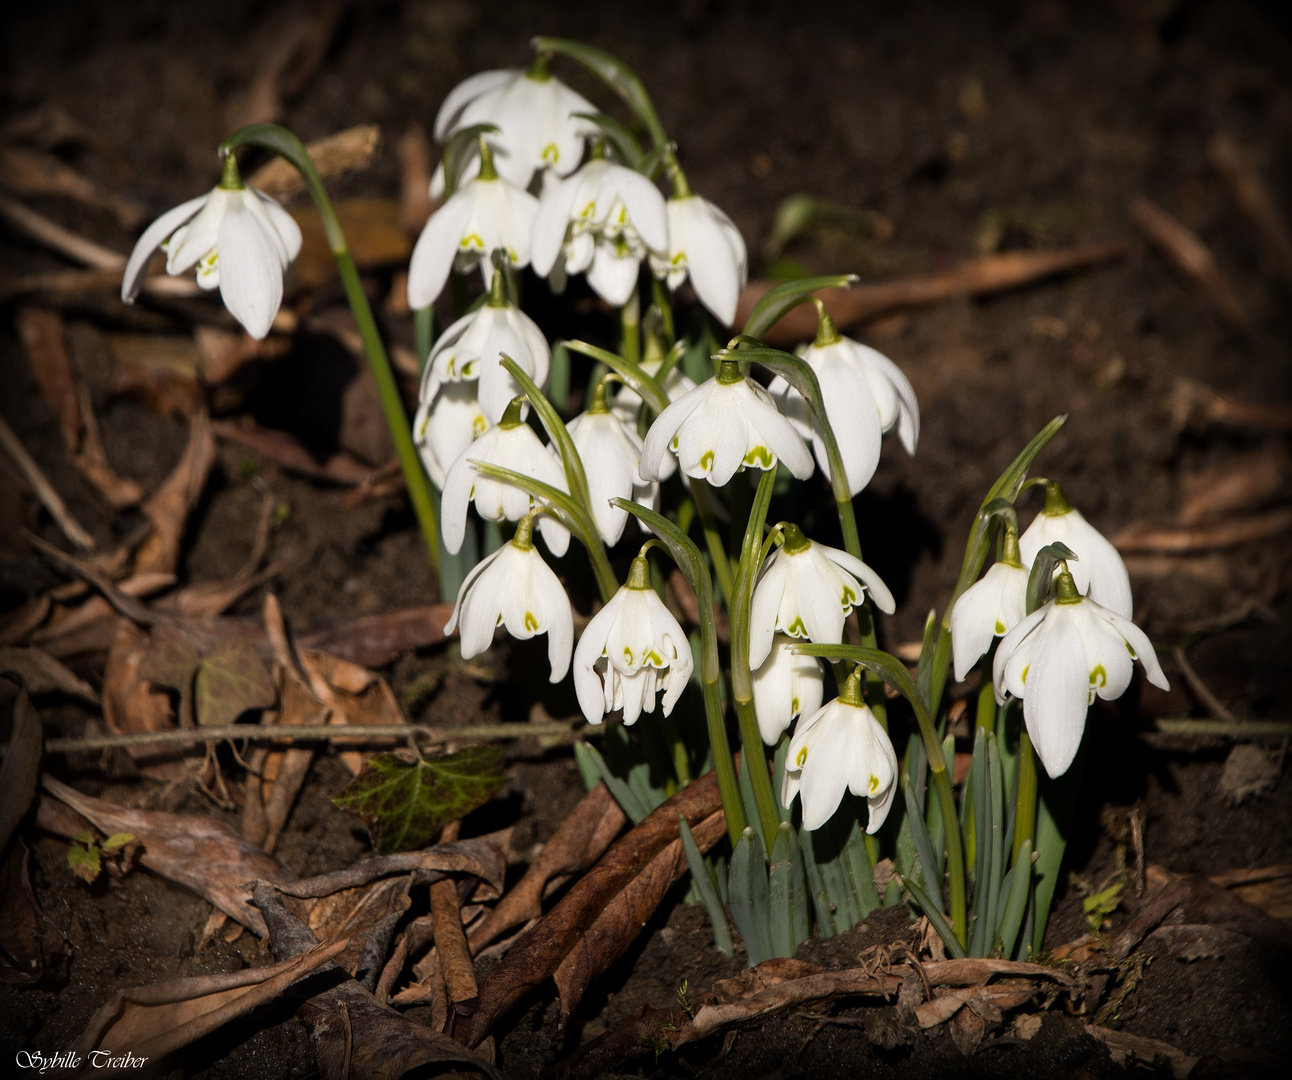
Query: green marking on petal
[(499, 622), (478, 428), (706, 460), (760, 456), (472, 240), (628, 654), (679, 259), (588, 210), (531, 623), (794, 706), (796, 628), (1000, 628), (874, 783), (1134, 655), (673, 444), (1098, 676), (849, 597), (1023, 677), (653, 658), (801, 758), (551, 154)]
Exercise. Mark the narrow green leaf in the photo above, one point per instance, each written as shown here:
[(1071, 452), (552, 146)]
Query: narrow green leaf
[(589, 771), (781, 878), (750, 897), (641, 382), (1056, 800), (405, 800), (705, 887), (816, 886), (998, 858), (936, 918), (615, 74), (777, 302), (629, 801), (556, 431), (558, 379), (747, 799), (1018, 882), (457, 152), (923, 844), (861, 871), (231, 679), (619, 136), (1040, 578)]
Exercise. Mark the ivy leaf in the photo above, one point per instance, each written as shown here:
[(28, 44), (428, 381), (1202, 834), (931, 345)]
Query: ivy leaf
[(405, 801), (232, 679), (117, 840), (84, 862), (172, 660)]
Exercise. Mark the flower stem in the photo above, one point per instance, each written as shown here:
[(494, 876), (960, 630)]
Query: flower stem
[(282, 142), (423, 333), (1025, 807), (630, 319), (986, 704), (713, 539)]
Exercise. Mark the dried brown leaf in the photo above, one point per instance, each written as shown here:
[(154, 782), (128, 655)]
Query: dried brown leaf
[(199, 852), (131, 701), (32, 948), (169, 506), (21, 767), (288, 451), (356, 914), (581, 840), (374, 640), (42, 674), (542, 950), (1144, 536), (153, 1021)]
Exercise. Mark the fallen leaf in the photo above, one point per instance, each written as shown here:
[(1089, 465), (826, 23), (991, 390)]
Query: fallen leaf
[(32, 949), (540, 952), (20, 771), (199, 852), (154, 1021), (169, 506), (162, 371), (231, 680), (353, 1034), (356, 914), (131, 701), (581, 840), (289, 452), (354, 694), (405, 800), (375, 640), (42, 674), (1128, 1049)]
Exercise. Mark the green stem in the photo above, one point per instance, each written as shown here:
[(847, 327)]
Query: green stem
[(986, 704), (423, 333), (282, 142), (630, 319), (760, 778), (1025, 807), (713, 539)]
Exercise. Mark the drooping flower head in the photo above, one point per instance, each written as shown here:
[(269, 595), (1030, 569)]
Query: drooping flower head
[(241, 241), (786, 685), (990, 607), (610, 452), (603, 220), (631, 649), (842, 747), (534, 113), (1098, 570), (448, 420), (484, 216), (471, 349), (704, 245), (514, 588), (1059, 657), (511, 444), (865, 395), (726, 424), (807, 590)]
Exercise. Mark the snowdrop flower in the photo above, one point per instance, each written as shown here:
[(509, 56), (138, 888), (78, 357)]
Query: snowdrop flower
[(786, 685), (806, 590), (723, 425), (841, 747), (989, 608), (471, 348), (534, 114), (604, 219), (485, 215), (631, 649), (241, 241), (1099, 570), (865, 395), (514, 588), (610, 453), (626, 405), (705, 245), (511, 445), (448, 420), (1059, 657)]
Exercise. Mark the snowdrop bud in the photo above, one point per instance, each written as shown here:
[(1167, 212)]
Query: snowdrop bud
[(865, 395), (241, 241), (511, 445), (842, 747), (472, 347), (610, 452), (1059, 657), (485, 215), (807, 590), (726, 424), (785, 686), (705, 245), (515, 588), (631, 649), (1099, 570), (989, 608)]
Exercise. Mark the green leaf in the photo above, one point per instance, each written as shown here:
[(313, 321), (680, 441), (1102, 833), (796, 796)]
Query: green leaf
[(1040, 579), (614, 73), (646, 387), (619, 136), (923, 845), (458, 152), (231, 679), (84, 862), (406, 801), (705, 887), (936, 918), (1017, 883), (778, 301), (781, 880), (117, 840), (751, 897)]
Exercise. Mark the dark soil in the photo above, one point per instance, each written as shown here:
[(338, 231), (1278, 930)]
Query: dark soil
[(969, 129)]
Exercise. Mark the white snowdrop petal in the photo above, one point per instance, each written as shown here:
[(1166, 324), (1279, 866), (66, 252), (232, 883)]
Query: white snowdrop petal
[(463, 94), (1057, 692), (435, 250), (133, 278), (251, 274)]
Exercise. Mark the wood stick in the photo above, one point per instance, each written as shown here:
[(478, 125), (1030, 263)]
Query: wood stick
[(43, 489), (451, 940)]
